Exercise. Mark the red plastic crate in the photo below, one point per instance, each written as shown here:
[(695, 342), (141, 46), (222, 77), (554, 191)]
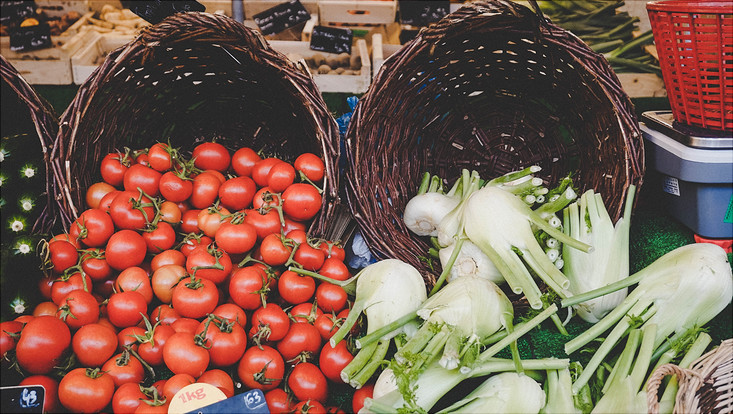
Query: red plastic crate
[(694, 41)]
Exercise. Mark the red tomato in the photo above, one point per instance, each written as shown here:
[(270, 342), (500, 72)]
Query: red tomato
[(165, 314), (226, 340), (301, 342), (106, 201), (311, 166), (69, 283), (7, 339), (211, 156), (210, 219), (334, 359), (182, 355), (78, 308), (262, 168), (63, 255), (247, 287), (64, 237), (124, 368), (195, 297), (45, 308), (50, 385), (330, 297), (243, 160), (127, 398), (96, 192), (160, 238), (335, 269), (142, 177), (231, 312), (95, 265), (170, 213), (192, 241), (126, 309), (305, 312), (128, 336), (85, 390), (309, 407), (135, 279), (219, 379), (209, 263), (236, 238), (93, 228), (151, 347), (309, 257), (294, 288), (307, 382), (291, 225), (167, 257), (274, 251), (159, 157), (297, 236), (113, 168), (334, 410), (190, 221), (301, 201), (175, 384), (278, 401), (280, 177), (327, 325), (205, 190), (269, 324), (125, 248), (129, 210), (357, 402), (165, 279), (42, 344), (175, 188), (237, 193), (265, 197), (261, 368), (94, 344), (267, 223), (141, 157), (44, 286), (332, 250)]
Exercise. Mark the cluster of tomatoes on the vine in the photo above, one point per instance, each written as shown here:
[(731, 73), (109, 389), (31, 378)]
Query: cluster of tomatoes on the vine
[(201, 266)]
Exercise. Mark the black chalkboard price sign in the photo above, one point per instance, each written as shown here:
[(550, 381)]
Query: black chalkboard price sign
[(422, 13), (22, 399), (331, 39), (156, 10), (281, 17), (23, 39), (16, 11)]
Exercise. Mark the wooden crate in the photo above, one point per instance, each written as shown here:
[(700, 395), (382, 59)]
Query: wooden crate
[(332, 83), (642, 85), (297, 33), (357, 12), (252, 7), (89, 57), (380, 52)]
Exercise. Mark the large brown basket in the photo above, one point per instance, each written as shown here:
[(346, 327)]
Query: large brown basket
[(705, 387), (27, 106), (491, 87), (193, 76)]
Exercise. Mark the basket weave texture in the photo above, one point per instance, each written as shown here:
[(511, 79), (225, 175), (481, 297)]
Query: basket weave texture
[(44, 119), (193, 77), (705, 387), (492, 87)]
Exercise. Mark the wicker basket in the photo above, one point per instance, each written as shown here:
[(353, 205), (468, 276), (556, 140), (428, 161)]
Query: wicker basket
[(26, 106), (192, 77), (706, 387), (491, 87)]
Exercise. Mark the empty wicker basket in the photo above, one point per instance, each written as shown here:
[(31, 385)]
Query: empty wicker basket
[(491, 87)]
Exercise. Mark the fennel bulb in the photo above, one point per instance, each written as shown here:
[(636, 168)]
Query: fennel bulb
[(588, 221), (681, 290), (456, 320), (385, 291), (500, 223), (471, 261), (507, 392), (428, 207)]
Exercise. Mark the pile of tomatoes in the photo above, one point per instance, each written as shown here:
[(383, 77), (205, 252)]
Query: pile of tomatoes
[(188, 269)]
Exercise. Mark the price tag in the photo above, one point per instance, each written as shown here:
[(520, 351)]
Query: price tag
[(31, 38), (22, 399), (281, 17), (250, 402), (156, 10), (331, 39), (16, 11), (194, 396), (422, 13)]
